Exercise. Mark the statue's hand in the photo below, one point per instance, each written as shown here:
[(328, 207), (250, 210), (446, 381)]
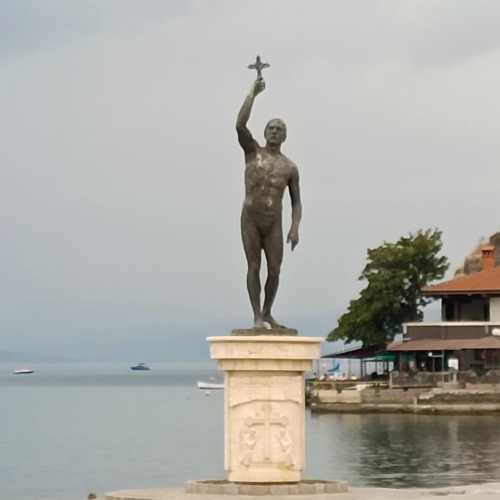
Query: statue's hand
[(293, 237), (258, 86)]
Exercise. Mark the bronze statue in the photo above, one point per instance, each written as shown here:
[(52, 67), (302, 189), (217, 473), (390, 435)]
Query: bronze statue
[(267, 173)]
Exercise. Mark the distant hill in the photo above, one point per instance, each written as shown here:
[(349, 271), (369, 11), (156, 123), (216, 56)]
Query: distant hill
[(21, 357), (125, 332)]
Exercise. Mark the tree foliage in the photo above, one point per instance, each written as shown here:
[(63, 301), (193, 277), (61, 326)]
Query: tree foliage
[(395, 274)]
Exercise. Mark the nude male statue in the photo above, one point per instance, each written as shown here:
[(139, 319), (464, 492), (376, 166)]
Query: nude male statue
[(267, 173)]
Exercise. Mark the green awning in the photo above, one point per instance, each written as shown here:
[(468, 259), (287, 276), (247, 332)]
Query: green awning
[(383, 356)]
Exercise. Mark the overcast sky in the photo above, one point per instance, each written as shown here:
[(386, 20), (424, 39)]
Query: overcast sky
[(122, 179)]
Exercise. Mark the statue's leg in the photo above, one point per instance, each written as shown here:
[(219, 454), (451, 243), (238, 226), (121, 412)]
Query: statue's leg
[(273, 248), (253, 250)]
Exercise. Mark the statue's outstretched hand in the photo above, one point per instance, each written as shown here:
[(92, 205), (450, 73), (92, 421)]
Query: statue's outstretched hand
[(258, 86), (293, 237)]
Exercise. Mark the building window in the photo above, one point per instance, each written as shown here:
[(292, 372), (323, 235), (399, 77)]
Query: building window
[(486, 311), (449, 311)]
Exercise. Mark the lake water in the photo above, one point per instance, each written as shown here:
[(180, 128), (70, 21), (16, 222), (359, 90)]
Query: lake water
[(70, 429)]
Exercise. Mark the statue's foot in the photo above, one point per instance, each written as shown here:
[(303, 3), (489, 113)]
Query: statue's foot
[(260, 323), (271, 321)]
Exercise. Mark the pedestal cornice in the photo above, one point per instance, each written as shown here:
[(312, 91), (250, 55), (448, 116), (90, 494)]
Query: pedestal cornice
[(265, 352)]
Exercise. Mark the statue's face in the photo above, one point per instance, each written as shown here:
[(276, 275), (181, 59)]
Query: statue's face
[(275, 132)]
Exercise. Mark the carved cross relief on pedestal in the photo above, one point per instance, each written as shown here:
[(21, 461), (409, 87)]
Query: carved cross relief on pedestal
[(271, 427)]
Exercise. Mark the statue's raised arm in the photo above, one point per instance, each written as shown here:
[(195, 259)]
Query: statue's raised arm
[(245, 138)]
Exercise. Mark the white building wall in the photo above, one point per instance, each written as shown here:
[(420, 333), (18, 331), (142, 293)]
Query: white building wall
[(495, 309)]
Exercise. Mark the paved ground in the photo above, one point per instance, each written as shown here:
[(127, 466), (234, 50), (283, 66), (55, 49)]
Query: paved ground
[(488, 491)]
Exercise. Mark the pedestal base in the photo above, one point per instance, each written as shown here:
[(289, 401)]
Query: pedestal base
[(468, 492), (307, 487), (264, 429), (322, 490)]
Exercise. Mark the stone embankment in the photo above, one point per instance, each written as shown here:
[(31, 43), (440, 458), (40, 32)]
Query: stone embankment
[(367, 398)]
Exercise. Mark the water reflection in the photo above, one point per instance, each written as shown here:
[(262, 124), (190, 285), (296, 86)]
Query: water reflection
[(404, 450)]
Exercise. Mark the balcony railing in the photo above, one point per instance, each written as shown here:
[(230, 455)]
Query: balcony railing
[(450, 330), (435, 379)]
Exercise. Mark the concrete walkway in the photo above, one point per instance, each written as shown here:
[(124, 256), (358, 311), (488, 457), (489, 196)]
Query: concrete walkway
[(487, 491)]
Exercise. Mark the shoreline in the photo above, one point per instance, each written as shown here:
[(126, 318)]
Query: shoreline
[(479, 399), (360, 408)]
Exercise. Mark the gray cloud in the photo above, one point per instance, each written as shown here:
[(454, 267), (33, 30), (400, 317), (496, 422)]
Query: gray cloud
[(33, 25)]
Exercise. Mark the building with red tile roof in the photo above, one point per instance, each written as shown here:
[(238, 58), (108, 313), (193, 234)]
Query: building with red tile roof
[(469, 330)]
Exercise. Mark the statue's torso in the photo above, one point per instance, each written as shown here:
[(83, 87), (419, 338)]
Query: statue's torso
[(266, 177)]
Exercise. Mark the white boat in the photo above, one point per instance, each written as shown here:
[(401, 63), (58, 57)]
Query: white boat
[(23, 371), (209, 385)]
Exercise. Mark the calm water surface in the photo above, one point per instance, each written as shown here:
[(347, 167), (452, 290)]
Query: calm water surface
[(70, 429)]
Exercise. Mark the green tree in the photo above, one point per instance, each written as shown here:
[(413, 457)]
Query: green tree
[(395, 274)]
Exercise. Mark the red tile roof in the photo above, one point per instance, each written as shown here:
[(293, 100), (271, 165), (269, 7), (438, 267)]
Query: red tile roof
[(483, 282), (489, 342)]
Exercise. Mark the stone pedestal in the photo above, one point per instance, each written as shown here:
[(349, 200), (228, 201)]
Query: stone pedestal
[(264, 429)]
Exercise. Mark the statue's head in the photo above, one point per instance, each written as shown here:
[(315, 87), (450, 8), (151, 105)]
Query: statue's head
[(275, 132)]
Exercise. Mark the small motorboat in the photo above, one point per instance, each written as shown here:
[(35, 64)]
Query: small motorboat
[(208, 386), (140, 367), (23, 371)]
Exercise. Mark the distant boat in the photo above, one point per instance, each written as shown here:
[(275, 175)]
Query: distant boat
[(140, 367), (209, 385), (23, 371)]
